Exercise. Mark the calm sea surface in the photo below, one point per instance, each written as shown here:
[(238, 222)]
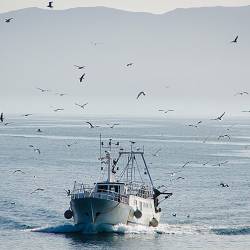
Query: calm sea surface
[(219, 217)]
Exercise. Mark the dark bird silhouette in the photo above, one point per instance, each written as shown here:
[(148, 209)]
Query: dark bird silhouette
[(50, 5), (39, 130), (7, 20), (219, 118), (220, 164), (26, 115), (195, 125), (59, 109), (223, 184), (180, 178), (1, 117), (223, 136), (174, 214), (81, 105), (80, 67), (61, 94), (82, 77), (90, 124), (246, 111), (113, 125), (129, 64), (38, 189), (71, 144), (7, 123), (235, 39), (18, 171), (37, 150), (43, 90), (141, 93), (242, 93), (166, 111)]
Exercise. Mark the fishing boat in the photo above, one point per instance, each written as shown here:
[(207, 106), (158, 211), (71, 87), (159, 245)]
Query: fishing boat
[(126, 195)]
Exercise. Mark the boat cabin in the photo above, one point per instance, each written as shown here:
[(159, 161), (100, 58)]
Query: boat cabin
[(113, 187)]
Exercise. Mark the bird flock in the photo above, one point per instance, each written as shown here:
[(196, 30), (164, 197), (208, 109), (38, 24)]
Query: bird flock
[(139, 96)]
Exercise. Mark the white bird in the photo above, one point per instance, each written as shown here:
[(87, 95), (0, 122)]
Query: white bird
[(81, 105), (219, 118)]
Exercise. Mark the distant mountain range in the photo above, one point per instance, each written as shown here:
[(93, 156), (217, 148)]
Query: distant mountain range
[(182, 60)]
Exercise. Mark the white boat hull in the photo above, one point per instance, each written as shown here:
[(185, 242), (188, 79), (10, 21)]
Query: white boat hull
[(96, 211)]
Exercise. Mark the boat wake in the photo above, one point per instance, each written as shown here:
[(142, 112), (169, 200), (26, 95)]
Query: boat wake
[(121, 229)]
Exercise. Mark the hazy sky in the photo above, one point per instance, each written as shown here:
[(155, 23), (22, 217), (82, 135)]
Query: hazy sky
[(154, 6)]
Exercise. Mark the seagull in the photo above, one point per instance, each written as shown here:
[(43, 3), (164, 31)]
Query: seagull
[(195, 125), (157, 151), (235, 39), (242, 93), (166, 111), (220, 164), (69, 145), (141, 93), (205, 163), (174, 214), (26, 115), (43, 90), (1, 117), (82, 77), (113, 125), (39, 130), (7, 123), (81, 105), (129, 64), (180, 178), (18, 171), (61, 94), (37, 150), (50, 5), (59, 109), (222, 136), (91, 125), (186, 163), (223, 184), (7, 20), (80, 67), (38, 189), (219, 118)]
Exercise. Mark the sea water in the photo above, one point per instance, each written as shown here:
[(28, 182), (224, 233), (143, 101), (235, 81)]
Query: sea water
[(208, 216)]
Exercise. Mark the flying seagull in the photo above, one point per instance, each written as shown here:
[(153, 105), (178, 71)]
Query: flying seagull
[(50, 5), (69, 145), (59, 109), (223, 184), (81, 105), (113, 125), (82, 77), (219, 118), (18, 171), (37, 150), (90, 124), (43, 90), (80, 67), (7, 20), (1, 117), (235, 39), (38, 189), (242, 93), (166, 111), (141, 93), (26, 115), (222, 136), (220, 164), (129, 64), (60, 94)]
